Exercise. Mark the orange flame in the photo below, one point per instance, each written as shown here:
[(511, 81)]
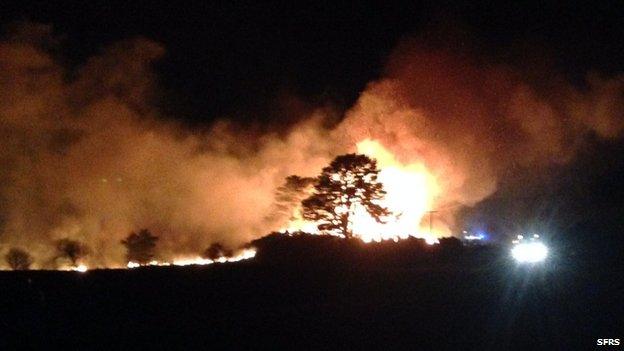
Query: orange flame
[(187, 261), (411, 192)]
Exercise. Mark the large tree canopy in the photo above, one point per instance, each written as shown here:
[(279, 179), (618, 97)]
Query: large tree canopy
[(349, 181)]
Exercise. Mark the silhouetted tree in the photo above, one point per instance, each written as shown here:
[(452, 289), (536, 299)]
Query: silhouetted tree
[(18, 259), (216, 251), (71, 249), (140, 246), (289, 196), (349, 181)]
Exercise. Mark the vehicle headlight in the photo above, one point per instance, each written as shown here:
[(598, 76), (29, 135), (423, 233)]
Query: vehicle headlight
[(529, 252)]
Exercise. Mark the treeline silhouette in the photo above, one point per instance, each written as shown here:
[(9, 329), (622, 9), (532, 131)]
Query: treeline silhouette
[(141, 248)]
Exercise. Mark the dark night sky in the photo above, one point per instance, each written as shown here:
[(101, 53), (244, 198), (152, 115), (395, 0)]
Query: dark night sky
[(236, 60)]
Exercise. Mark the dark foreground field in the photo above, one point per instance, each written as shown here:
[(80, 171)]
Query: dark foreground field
[(300, 294)]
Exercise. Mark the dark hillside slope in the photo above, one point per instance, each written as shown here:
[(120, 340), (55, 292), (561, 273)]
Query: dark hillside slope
[(319, 293)]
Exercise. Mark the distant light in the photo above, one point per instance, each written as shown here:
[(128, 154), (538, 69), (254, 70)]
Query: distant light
[(474, 237), (529, 252), (520, 237)]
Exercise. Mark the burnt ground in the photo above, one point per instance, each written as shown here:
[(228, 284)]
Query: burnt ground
[(320, 293)]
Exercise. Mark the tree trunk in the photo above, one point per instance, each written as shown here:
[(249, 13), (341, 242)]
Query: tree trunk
[(345, 221)]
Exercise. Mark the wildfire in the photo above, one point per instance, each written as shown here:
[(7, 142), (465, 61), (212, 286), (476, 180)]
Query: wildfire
[(411, 191), (80, 268), (187, 261), (77, 268)]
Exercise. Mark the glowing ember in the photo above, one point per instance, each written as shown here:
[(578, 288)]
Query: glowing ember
[(187, 261), (431, 240), (79, 268), (192, 261), (411, 192), (243, 255)]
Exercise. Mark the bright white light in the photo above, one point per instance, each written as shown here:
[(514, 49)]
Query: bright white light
[(80, 268), (529, 252), (474, 237), (431, 240)]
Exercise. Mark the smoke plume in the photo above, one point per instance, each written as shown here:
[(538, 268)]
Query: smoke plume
[(84, 155), (476, 124)]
